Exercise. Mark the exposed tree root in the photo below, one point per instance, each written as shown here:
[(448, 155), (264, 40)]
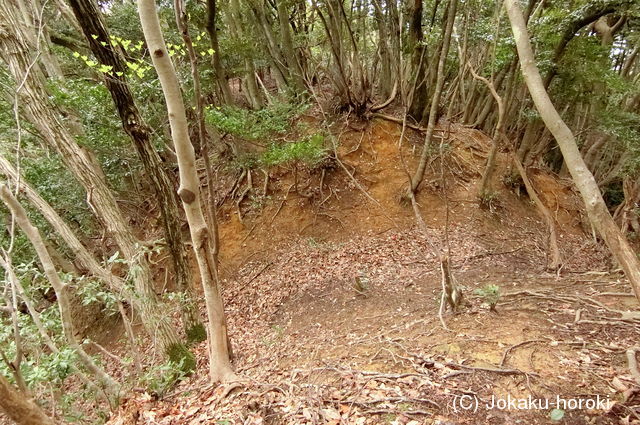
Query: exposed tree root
[(555, 261)]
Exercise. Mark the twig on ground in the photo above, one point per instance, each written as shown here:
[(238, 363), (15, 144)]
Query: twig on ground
[(508, 350)]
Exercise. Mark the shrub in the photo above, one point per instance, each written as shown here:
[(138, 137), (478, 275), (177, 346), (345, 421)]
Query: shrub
[(309, 151), (254, 125)]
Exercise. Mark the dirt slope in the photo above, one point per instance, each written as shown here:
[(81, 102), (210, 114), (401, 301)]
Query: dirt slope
[(315, 347)]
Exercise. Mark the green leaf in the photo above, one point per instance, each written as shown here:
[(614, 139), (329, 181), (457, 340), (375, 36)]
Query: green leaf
[(76, 54), (556, 415)]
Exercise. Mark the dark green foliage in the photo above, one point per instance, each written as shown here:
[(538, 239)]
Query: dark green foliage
[(196, 334), (255, 125), (182, 358), (160, 378), (309, 151), (102, 130)]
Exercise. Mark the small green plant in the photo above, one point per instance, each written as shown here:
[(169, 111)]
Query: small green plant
[(93, 291), (556, 415), (255, 125), (512, 181), (490, 294), (160, 378), (309, 151), (278, 332), (489, 200)]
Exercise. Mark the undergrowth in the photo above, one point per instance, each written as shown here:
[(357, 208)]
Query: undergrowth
[(255, 125), (309, 151)]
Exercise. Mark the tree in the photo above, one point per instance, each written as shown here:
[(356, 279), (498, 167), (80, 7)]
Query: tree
[(20, 408), (36, 106), (594, 203), (221, 73), (98, 37), (189, 192), (435, 101), (61, 290)]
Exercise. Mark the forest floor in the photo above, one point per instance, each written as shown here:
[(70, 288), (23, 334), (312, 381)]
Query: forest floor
[(315, 347)]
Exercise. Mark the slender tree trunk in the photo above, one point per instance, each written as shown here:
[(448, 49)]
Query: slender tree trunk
[(19, 407), (38, 36), (554, 260), (278, 63), (295, 71), (221, 74), (596, 208), (219, 365), (384, 51), (97, 35), (485, 182), (20, 215), (419, 59), (435, 101), (6, 264), (251, 87), (39, 110)]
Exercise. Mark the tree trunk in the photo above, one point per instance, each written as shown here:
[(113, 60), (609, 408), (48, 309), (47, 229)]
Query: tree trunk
[(419, 96), (435, 101), (20, 216), (251, 87), (596, 208), (39, 110), (19, 407), (97, 35), (221, 73), (485, 182), (554, 260), (295, 71), (384, 52), (6, 264), (278, 63), (219, 365)]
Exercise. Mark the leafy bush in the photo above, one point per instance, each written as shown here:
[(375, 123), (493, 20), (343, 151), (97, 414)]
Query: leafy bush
[(490, 294), (254, 125), (309, 151)]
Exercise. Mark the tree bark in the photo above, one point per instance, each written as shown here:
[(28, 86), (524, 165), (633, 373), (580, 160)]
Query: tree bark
[(221, 73), (295, 70), (596, 208), (97, 35), (252, 93), (435, 101), (20, 408), (20, 215), (36, 106), (219, 364), (485, 182)]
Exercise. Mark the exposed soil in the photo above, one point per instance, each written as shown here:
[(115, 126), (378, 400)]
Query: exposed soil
[(315, 347)]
